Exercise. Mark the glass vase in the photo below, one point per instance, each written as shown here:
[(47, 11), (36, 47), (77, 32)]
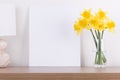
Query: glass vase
[(100, 59)]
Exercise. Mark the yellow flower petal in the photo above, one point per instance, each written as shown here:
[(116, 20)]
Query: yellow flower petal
[(101, 27), (94, 22), (86, 14), (83, 23), (101, 14), (110, 24), (78, 29)]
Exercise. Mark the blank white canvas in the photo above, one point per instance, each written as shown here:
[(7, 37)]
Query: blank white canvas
[(53, 41), (7, 20)]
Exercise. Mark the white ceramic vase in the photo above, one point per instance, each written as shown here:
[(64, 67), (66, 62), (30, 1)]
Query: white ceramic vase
[(4, 57), (4, 60)]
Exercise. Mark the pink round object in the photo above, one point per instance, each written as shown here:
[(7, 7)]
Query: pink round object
[(3, 44)]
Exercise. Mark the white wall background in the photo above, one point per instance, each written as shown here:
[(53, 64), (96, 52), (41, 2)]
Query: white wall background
[(18, 46)]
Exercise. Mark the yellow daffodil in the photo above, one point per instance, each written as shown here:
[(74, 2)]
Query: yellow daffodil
[(101, 27), (94, 22), (101, 14), (86, 14), (88, 27), (110, 25), (98, 21), (77, 28), (83, 22)]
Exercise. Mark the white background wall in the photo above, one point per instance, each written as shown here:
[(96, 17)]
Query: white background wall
[(18, 46)]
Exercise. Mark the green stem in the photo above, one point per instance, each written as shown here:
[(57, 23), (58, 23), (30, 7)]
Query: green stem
[(96, 57), (96, 34), (99, 40), (95, 41), (99, 48), (100, 58), (102, 34), (104, 58)]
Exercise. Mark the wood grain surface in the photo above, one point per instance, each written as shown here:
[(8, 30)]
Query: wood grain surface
[(59, 73)]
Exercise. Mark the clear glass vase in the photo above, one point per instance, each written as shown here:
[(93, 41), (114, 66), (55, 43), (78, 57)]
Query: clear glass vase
[(100, 59)]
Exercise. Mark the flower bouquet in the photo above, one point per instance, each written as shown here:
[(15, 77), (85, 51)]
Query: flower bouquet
[(97, 23)]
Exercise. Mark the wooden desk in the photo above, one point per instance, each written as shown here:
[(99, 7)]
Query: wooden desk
[(59, 73)]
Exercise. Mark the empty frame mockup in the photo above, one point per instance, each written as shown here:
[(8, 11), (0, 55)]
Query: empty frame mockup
[(53, 41)]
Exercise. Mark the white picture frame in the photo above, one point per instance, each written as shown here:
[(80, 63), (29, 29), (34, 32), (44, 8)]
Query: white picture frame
[(53, 41)]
